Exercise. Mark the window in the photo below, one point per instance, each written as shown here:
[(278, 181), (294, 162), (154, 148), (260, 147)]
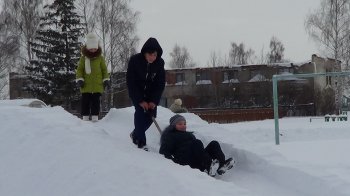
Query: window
[(180, 79), (254, 72), (229, 76), (226, 76), (235, 74), (285, 70), (202, 78), (328, 78)]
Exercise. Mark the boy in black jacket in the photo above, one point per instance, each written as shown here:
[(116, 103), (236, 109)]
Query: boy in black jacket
[(183, 148), (145, 79)]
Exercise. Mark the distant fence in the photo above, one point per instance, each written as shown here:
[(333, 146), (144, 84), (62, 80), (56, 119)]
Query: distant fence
[(235, 115)]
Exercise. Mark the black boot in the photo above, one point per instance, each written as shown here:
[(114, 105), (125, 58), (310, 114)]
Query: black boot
[(134, 140), (142, 146), (226, 166)]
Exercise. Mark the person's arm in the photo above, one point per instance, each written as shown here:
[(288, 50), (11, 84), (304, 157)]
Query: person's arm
[(167, 146), (80, 72), (158, 84), (134, 93), (104, 70)]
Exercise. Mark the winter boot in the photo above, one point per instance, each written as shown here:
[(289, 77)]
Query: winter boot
[(86, 118), (94, 118), (213, 168), (133, 139), (226, 166), (145, 148), (142, 146)]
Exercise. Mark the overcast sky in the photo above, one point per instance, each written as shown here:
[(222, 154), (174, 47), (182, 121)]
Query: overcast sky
[(205, 26)]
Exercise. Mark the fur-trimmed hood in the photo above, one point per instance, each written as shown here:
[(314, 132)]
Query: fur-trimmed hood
[(91, 55)]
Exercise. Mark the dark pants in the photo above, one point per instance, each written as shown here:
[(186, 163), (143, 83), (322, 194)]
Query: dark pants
[(142, 121), (202, 157), (90, 104)]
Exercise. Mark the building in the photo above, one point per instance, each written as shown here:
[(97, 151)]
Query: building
[(247, 86), (236, 86)]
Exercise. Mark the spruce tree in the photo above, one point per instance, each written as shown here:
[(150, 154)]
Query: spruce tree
[(57, 50)]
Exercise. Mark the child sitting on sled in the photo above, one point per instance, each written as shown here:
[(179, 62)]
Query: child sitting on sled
[(183, 148)]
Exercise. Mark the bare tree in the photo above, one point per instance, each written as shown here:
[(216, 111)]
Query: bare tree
[(9, 47), (239, 55), (216, 60), (116, 23), (180, 58), (263, 57), (329, 25), (86, 9), (276, 51), (24, 16), (345, 51)]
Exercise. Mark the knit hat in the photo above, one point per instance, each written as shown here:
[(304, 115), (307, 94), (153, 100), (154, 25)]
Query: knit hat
[(91, 41), (175, 119), (178, 102)]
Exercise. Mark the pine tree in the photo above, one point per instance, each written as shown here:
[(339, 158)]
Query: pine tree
[(57, 50)]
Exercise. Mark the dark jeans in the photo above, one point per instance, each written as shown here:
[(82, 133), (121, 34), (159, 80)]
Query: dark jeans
[(90, 104), (142, 121), (202, 157)]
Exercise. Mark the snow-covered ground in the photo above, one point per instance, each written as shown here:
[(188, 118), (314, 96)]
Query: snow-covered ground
[(49, 152)]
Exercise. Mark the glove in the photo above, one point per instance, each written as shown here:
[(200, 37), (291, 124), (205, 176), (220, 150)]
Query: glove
[(144, 105), (151, 105), (106, 84), (80, 83)]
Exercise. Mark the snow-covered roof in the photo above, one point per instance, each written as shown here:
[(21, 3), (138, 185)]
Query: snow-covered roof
[(34, 103), (289, 64)]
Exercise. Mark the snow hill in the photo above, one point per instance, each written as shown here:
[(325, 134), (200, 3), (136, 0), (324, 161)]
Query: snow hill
[(50, 152)]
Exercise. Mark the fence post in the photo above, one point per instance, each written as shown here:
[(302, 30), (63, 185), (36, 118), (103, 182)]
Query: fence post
[(275, 109)]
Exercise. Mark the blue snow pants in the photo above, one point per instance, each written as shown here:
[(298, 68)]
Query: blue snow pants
[(142, 121)]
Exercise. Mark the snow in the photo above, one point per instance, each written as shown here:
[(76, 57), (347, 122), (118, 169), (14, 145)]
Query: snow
[(48, 151), (231, 81), (181, 83), (258, 78), (23, 102), (203, 82)]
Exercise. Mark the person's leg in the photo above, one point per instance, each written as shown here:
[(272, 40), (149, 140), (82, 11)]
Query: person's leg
[(215, 152), (200, 159), (142, 121), (85, 105), (95, 104)]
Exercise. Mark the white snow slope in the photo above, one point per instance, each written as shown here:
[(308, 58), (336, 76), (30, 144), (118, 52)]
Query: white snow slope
[(49, 152)]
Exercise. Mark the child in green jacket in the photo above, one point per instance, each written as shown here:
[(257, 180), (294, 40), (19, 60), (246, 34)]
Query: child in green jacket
[(92, 77)]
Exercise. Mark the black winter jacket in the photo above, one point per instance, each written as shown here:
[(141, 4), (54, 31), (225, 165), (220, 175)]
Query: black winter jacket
[(146, 81), (177, 145)]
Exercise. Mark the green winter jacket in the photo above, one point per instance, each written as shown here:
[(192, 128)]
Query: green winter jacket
[(93, 82)]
